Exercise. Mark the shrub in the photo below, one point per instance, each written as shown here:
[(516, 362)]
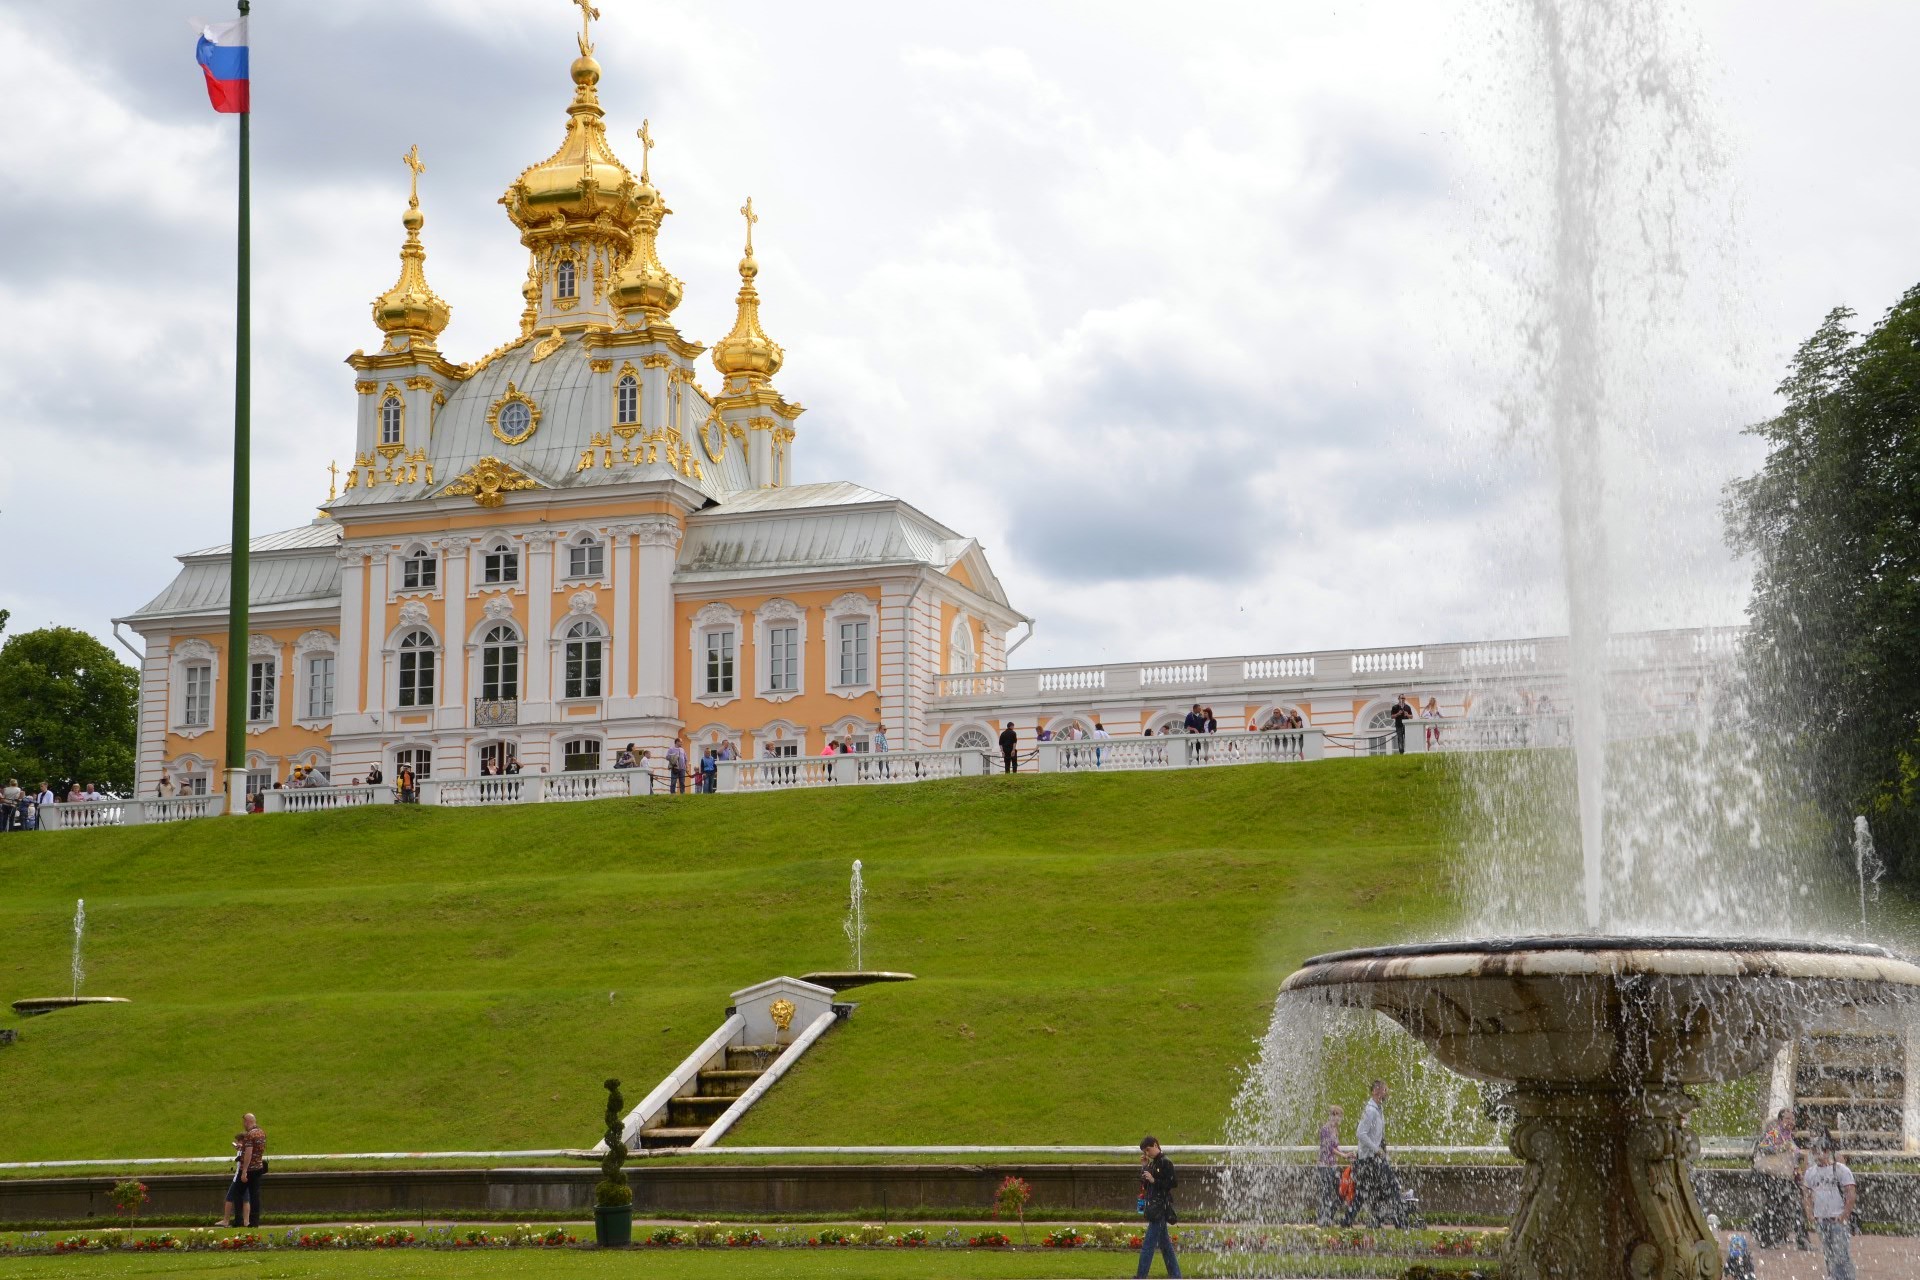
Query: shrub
[(1064, 1238), (666, 1237), (869, 1234), (744, 1238), (830, 1237), (912, 1238), (989, 1240), (613, 1191)]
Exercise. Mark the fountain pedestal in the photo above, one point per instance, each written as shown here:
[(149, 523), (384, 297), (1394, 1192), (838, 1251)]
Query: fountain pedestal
[(1600, 1037)]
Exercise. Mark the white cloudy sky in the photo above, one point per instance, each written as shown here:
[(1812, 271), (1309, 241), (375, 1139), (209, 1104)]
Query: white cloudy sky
[(1196, 317)]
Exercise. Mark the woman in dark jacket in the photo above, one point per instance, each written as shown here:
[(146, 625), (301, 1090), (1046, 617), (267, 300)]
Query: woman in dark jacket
[(1157, 1181)]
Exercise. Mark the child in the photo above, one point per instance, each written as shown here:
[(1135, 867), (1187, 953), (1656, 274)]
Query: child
[(1739, 1261)]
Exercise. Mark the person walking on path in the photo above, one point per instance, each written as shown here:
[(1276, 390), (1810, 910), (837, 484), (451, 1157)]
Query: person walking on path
[(1374, 1185), (1009, 749), (1401, 712), (1776, 1160), (1156, 1174), (249, 1167), (1328, 1170), (1829, 1191)]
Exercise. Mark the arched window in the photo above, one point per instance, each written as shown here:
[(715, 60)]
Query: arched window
[(972, 740), (584, 650), (626, 401), (962, 657), (500, 665), (580, 754), (416, 669), (586, 557), (563, 286), (390, 420)]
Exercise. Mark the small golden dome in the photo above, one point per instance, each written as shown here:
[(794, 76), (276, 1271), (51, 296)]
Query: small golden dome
[(643, 283), (748, 352), (411, 309)]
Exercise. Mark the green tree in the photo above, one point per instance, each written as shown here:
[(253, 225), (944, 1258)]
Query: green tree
[(67, 709), (1832, 520)]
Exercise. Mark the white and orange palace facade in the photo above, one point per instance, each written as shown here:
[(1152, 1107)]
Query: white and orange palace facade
[(574, 543)]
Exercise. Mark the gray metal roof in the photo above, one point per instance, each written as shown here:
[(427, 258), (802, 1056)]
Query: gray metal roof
[(571, 413), (811, 527), (291, 569)]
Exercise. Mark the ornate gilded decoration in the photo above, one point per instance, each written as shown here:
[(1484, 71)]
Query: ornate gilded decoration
[(713, 436), (513, 428), (657, 361), (389, 448), (411, 313), (488, 480), (644, 285), (782, 1011), (366, 387), (419, 382), (333, 479), (747, 353), (601, 366), (628, 430), (542, 349)]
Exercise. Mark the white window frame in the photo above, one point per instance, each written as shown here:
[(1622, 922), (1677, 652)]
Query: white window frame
[(566, 752), (776, 734), (196, 695), (595, 635), (962, 647), (312, 673), (393, 420), (422, 562), (852, 608), (263, 690), (513, 643), (421, 758), (188, 655), (592, 549), (566, 280), (429, 648), (713, 619), (496, 558), (779, 615), (626, 409)]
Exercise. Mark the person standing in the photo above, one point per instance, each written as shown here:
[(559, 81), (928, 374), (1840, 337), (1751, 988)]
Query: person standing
[(1157, 1176), (1009, 749), (1432, 712), (1401, 712), (1100, 735), (880, 749), (409, 793), (1374, 1185), (1328, 1170), (249, 1167), (1195, 722), (1829, 1193), (1776, 1159), (677, 767), (710, 771)]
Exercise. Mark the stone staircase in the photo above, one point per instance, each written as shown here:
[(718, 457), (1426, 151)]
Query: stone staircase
[(689, 1116), (1852, 1078)]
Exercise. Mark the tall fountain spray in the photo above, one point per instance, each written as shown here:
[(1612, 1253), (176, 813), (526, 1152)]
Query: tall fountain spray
[(1597, 1037), (1867, 866), (856, 922), (79, 929)]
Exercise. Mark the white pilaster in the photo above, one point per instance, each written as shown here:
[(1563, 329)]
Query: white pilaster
[(539, 616), (353, 634), (619, 645), (375, 633), (154, 693), (658, 547), (455, 553)]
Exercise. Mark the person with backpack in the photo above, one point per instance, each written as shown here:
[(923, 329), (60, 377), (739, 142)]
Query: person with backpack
[(1158, 1181)]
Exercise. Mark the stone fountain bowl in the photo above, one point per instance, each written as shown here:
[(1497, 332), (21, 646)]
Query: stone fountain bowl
[(1594, 1011)]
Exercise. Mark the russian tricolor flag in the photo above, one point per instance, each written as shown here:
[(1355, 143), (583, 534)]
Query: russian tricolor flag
[(222, 53)]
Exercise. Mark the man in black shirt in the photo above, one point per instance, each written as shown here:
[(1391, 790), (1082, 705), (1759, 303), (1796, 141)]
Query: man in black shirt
[(1402, 712), (1156, 1184), (1009, 748)]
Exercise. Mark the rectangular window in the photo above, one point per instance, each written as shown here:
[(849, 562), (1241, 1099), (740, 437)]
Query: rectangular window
[(783, 659), (719, 663), (193, 784), (419, 573), (853, 652), (583, 669), (500, 672), (196, 707), (260, 679), (586, 560), (416, 677), (780, 750), (320, 687), (581, 754), (259, 780), (502, 564), (419, 759)]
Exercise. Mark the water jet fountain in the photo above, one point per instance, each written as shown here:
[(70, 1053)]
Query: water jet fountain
[(47, 1004), (855, 927)]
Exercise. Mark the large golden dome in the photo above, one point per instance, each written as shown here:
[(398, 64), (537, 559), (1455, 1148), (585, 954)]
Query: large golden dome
[(583, 184)]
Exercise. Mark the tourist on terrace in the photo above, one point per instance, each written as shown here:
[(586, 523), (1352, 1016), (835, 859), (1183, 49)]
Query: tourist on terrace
[(1157, 1176), (10, 798), (1400, 713), (1776, 1159), (74, 794), (1009, 749), (1328, 1170), (710, 771), (1431, 712), (1375, 1186), (1195, 721), (677, 767), (249, 1167), (1041, 733), (880, 748), (164, 787), (623, 758), (1830, 1193), (512, 767), (374, 776), (1208, 723), (1100, 734), (409, 794)]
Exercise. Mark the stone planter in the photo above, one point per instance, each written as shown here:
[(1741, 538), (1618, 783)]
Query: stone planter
[(613, 1225)]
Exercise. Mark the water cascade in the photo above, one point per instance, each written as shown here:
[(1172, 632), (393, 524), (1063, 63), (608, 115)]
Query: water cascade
[(1866, 864), (856, 922), (79, 929)]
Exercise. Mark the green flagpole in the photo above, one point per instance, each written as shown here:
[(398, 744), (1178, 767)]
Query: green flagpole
[(237, 582)]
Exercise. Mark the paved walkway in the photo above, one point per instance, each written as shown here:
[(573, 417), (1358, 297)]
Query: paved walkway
[(1875, 1257)]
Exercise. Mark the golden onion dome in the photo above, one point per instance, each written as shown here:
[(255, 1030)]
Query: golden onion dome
[(748, 352), (583, 184), (411, 309)]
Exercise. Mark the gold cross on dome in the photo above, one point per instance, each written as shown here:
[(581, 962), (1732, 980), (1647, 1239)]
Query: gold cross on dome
[(415, 163), (333, 478), (587, 13), (646, 149), (746, 211)]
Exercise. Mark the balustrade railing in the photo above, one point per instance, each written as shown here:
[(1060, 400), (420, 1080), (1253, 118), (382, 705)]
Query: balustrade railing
[(80, 815), (1179, 751), (323, 799), (879, 768), (490, 713)]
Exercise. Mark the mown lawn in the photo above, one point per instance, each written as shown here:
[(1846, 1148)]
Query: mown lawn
[(1096, 956)]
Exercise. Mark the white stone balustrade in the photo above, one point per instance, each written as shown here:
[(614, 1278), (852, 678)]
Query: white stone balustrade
[(323, 799), (1180, 751), (537, 788), (129, 813), (882, 768)]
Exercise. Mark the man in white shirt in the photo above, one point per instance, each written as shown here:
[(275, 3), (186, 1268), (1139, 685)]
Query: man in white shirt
[(1829, 1190), (1375, 1185)]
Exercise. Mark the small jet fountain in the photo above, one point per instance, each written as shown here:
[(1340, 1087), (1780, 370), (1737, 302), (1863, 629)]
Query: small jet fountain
[(47, 1004)]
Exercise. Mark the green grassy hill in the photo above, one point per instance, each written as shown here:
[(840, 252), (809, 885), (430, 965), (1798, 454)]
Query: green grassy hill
[(1096, 956)]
